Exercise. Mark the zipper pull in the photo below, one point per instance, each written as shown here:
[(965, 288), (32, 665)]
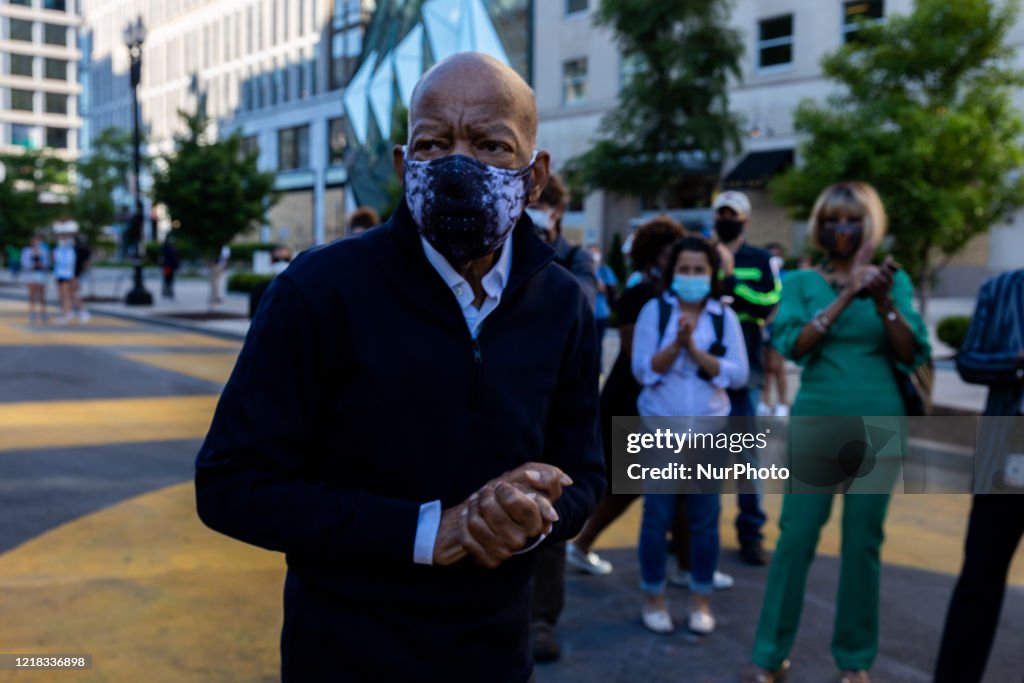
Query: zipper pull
[(477, 356)]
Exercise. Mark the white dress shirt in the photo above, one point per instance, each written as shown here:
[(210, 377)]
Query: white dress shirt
[(494, 285), (680, 392)]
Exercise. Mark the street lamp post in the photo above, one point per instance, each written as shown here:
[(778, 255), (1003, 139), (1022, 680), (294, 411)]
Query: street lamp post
[(134, 36)]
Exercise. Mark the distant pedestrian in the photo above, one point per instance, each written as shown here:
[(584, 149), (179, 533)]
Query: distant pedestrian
[(650, 250), (362, 219), (35, 261), (992, 354), (64, 274), (685, 368), (216, 272), (13, 256), (851, 325), (774, 364), (83, 257), (547, 213), (607, 293), (169, 264)]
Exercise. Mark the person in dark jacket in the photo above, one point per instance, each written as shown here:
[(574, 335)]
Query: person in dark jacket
[(755, 288), (414, 411), (169, 264), (992, 354), (546, 214)]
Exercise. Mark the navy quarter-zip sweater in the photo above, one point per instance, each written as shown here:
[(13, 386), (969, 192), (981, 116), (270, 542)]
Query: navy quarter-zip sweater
[(359, 395)]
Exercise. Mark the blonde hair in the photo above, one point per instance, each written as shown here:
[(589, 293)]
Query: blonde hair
[(854, 199)]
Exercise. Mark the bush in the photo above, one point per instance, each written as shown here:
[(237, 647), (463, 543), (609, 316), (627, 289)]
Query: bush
[(953, 330), (246, 282), (241, 252)]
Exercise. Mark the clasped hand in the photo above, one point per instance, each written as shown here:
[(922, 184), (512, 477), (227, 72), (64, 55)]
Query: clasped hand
[(498, 519)]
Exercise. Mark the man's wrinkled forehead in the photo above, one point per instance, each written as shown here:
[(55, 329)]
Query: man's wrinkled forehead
[(478, 93)]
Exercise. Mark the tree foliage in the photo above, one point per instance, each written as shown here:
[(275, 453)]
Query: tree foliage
[(212, 192), (673, 119), (106, 169), (924, 113), (33, 194)]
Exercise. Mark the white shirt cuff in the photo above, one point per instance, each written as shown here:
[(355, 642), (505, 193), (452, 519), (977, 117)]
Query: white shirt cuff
[(426, 532)]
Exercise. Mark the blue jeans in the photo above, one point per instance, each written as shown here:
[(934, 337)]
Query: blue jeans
[(702, 510)]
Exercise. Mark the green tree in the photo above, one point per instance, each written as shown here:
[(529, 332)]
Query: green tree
[(672, 126), (925, 114), (211, 190), (106, 169), (33, 194)]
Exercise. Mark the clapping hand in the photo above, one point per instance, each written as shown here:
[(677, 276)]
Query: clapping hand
[(684, 335), (499, 519)]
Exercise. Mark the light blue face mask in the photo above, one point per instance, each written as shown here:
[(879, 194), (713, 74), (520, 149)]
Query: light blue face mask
[(691, 288)]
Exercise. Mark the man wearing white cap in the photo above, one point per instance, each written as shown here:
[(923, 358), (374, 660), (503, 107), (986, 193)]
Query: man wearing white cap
[(747, 276)]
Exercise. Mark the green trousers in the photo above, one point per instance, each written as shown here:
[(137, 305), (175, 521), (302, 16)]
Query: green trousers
[(855, 635)]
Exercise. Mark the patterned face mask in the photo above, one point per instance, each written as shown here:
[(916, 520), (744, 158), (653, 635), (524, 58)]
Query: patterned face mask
[(465, 208)]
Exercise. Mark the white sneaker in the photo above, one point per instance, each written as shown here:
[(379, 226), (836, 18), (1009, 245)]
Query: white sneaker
[(763, 409), (83, 316), (720, 581), (782, 410), (659, 621), (590, 563), (701, 623)]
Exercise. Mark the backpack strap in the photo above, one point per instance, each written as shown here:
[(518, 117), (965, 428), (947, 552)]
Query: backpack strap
[(664, 311)]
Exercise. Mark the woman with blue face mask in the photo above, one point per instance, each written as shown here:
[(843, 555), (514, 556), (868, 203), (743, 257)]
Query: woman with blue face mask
[(688, 350)]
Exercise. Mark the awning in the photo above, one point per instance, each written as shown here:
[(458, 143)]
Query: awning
[(757, 168)]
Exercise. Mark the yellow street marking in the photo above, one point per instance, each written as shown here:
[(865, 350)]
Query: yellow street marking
[(80, 336), (53, 424), (149, 592), (922, 531), (213, 367)]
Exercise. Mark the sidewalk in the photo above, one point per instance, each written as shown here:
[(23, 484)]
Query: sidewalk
[(191, 296)]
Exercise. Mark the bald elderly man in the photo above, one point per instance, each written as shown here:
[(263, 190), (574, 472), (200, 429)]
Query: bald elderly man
[(414, 411)]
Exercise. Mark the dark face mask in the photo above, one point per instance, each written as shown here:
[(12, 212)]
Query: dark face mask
[(465, 208), (728, 229), (841, 240)]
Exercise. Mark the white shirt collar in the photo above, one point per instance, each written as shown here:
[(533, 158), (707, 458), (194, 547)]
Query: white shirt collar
[(712, 306), (493, 283)]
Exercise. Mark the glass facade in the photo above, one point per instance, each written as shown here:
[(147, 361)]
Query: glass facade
[(402, 40)]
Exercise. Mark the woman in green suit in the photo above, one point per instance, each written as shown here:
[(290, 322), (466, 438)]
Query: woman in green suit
[(852, 326)]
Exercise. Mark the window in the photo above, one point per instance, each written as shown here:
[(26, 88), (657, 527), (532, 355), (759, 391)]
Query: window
[(250, 145), (871, 11), (57, 138), (21, 135), (293, 148), (21, 65), (347, 28), (337, 141), (56, 104), (629, 66), (775, 41), (21, 30), (574, 6), (21, 100), (55, 5), (574, 81), (55, 35), (56, 69), (26, 3)]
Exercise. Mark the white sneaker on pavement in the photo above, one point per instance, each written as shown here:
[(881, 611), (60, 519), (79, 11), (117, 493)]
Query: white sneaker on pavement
[(782, 410), (83, 316), (701, 623), (721, 582), (658, 621), (590, 563), (763, 409)]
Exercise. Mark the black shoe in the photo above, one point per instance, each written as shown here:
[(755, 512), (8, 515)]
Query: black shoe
[(753, 554), (545, 647)]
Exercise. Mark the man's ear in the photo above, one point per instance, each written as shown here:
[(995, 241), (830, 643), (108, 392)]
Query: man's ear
[(539, 176), (398, 159)]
